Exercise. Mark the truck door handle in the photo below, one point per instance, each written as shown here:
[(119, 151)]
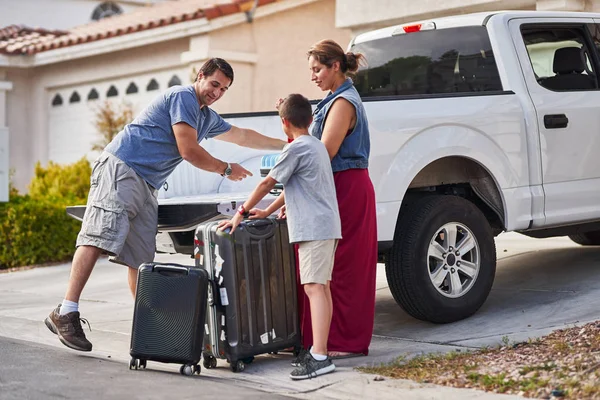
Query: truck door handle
[(556, 121)]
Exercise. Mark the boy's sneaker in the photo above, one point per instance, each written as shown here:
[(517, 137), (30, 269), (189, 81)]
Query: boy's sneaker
[(301, 355), (69, 330), (310, 368)]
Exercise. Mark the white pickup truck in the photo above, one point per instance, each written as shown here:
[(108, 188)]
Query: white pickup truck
[(479, 123)]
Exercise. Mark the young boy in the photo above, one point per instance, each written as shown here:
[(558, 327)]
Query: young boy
[(313, 222)]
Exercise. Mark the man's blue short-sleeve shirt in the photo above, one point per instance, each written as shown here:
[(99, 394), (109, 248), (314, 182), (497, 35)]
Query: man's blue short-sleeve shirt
[(148, 143)]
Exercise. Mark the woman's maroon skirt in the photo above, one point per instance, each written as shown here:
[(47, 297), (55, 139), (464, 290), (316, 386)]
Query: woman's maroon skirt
[(355, 268)]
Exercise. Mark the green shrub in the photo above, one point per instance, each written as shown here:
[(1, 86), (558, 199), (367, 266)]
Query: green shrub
[(70, 182), (35, 228), (35, 231)]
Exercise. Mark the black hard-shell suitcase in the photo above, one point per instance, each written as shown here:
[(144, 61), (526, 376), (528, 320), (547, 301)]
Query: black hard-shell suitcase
[(252, 302), (169, 316)]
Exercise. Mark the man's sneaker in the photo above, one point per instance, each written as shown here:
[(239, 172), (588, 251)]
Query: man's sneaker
[(310, 368), (69, 330), (301, 355)]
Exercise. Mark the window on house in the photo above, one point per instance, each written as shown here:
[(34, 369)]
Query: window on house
[(57, 100), (112, 91), (132, 88), (93, 95), (152, 85), (105, 10), (560, 57), (174, 81), (453, 60), (74, 98)]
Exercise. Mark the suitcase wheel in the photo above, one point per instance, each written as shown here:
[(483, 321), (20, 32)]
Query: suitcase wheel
[(238, 366), (209, 362), (189, 369), (136, 363)]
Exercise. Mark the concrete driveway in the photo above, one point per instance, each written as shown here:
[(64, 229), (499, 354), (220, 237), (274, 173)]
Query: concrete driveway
[(541, 285)]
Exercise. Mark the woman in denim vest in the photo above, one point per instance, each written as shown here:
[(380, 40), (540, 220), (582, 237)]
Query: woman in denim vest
[(340, 122)]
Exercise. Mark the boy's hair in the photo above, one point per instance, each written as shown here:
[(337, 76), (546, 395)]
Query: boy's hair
[(296, 109), (214, 64)]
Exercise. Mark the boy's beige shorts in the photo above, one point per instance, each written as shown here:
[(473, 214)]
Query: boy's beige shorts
[(316, 260)]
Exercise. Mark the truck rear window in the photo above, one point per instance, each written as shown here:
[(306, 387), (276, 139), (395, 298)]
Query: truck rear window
[(454, 60)]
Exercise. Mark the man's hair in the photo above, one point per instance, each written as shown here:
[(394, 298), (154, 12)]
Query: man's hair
[(296, 109), (210, 66)]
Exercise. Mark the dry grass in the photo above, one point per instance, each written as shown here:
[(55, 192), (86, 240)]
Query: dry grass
[(566, 364)]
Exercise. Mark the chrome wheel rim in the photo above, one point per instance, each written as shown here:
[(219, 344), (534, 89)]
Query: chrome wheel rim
[(453, 260)]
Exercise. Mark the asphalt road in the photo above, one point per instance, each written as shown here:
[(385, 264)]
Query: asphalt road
[(33, 371)]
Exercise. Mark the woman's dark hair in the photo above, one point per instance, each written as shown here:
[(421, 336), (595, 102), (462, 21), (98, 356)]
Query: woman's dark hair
[(327, 52), (210, 66), (296, 109)]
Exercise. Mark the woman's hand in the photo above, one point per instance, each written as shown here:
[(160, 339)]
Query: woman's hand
[(257, 213), (278, 103), (233, 223), (281, 214)]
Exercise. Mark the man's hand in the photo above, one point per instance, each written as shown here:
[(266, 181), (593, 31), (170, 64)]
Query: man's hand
[(233, 223), (257, 213), (238, 172)]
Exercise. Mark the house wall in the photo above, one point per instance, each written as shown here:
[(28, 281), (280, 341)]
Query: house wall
[(280, 42), (268, 57), (360, 15)]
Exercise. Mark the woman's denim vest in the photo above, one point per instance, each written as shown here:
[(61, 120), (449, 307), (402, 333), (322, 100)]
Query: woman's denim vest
[(355, 149)]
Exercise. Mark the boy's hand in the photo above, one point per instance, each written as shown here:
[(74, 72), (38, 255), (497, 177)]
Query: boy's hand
[(238, 173), (257, 213), (281, 214), (233, 223)]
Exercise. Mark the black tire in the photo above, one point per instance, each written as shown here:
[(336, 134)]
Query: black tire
[(238, 366), (587, 238), (407, 262)]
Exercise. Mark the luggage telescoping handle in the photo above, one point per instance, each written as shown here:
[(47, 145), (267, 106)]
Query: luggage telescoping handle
[(259, 227), (171, 268)]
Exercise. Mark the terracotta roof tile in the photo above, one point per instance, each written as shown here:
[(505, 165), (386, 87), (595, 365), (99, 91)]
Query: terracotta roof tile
[(21, 40)]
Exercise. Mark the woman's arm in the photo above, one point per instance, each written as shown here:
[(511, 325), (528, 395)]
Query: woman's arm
[(340, 119)]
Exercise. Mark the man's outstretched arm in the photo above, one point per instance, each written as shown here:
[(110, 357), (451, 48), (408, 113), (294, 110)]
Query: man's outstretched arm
[(196, 155), (252, 139)]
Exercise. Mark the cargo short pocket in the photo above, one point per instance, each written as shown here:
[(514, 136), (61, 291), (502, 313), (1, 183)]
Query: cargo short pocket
[(97, 169), (106, 220)]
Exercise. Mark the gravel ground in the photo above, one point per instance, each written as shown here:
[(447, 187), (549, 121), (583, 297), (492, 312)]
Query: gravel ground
[(564, 364)]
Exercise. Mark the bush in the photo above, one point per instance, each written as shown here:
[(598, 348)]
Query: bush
[(35, 228), (68, 182), (35, 231)]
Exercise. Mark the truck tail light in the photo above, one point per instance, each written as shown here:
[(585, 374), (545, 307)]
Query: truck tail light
[(425, 26)]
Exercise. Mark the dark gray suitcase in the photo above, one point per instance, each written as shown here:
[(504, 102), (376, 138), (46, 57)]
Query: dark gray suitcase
[(252, 303), (169, 316)]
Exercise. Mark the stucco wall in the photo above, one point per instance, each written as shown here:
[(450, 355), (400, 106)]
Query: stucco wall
[(281, 41), (361, 15), (277, 66)]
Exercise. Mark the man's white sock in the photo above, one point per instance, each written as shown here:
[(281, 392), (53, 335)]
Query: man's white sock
[(68, 306), (318, 357)]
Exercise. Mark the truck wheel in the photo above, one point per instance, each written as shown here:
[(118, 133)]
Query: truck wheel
[(442, 265), (587, 238)]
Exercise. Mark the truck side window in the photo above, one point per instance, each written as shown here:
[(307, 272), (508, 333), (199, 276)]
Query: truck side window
[(560, 57), (453, 60)]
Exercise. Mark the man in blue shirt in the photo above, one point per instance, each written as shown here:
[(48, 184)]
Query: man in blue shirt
[(122, 210)]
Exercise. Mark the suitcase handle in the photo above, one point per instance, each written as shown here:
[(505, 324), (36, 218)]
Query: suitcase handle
[(259, 227), (173, 269), (214, 299)]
